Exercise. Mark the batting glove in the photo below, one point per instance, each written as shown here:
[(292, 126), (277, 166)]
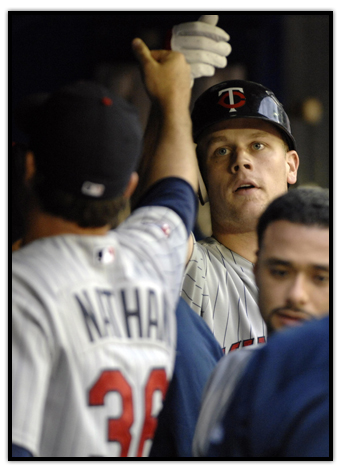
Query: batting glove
[(204, 45)]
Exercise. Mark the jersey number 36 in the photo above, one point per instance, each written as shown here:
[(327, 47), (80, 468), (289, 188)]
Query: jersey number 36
[(119, 428)]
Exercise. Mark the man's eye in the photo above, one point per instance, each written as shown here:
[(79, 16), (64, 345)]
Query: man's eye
[(279, 273), (257, 146), (221, 152), (321, 278)]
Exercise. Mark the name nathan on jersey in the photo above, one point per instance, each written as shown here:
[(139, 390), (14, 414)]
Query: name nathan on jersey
[(134, 312)]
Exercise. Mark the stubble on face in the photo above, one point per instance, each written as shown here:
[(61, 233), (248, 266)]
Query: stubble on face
[(292, 274)]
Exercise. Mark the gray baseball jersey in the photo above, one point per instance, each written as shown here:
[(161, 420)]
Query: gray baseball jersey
[(219, 285), (216, 397), (94, 336)]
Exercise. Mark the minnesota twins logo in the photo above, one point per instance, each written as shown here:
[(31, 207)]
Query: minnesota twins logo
[(228, 99)]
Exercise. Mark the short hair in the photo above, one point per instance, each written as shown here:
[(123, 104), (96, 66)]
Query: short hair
[(85, 212), (304, 205)]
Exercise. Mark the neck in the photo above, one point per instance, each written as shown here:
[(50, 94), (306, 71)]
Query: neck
[(244, 244), (42, 225)]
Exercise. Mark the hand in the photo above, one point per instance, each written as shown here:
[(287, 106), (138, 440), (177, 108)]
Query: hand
[(204, 45), (166, 74)]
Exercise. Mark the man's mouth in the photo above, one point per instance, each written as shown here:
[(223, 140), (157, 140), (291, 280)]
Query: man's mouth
[(245, 189), (244, 186), (292, 317)]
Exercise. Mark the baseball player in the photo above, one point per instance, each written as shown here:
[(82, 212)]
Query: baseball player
[(292, 275), (195, 360), (247, 157), (93, 327)]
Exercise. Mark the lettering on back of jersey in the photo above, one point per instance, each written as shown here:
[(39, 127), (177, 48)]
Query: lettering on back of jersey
[(134, 312)]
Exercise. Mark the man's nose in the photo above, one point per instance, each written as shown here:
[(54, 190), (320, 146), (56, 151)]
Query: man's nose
[(298, 292), (241, 160)]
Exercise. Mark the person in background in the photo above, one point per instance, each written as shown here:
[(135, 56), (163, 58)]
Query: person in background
[(292, 274)]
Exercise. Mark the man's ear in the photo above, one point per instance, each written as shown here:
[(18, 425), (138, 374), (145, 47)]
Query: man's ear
[(293, 162), (30, 166), (131, 186)]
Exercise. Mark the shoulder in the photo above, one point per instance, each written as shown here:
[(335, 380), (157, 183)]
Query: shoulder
[(300, 346), (289, 354), (308, 338), (153, 223)]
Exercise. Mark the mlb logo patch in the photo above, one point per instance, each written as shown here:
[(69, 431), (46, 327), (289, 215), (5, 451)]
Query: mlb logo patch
[(105, 255), (93, 189)]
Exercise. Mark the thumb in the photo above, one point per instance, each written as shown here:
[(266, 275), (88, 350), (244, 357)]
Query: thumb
[(141, 51), (209, 19)]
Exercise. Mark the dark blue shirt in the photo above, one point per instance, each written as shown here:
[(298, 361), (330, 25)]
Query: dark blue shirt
[(280, 407)]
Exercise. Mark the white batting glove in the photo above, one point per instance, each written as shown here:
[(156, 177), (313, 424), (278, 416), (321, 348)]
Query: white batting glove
[(204, 45)]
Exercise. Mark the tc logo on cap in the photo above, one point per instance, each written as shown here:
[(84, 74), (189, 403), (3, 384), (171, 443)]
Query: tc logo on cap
[(228, 99)]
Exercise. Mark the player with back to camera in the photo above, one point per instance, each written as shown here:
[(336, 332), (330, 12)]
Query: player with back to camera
[(197, 350), (247, 157), (292, 275), (93, 327)]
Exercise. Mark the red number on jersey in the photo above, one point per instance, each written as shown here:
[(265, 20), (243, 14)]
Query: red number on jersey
[(157, 382), (119, 429)]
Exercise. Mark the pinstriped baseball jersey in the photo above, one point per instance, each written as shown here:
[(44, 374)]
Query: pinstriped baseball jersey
[(94, 336), (219, 285)]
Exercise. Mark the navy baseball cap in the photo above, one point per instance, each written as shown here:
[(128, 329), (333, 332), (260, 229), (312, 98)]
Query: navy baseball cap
[(86, 139), (233, 99)]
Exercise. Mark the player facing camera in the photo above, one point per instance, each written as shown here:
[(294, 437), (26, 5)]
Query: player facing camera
[(238, 105), (247, 157), (292, 268)]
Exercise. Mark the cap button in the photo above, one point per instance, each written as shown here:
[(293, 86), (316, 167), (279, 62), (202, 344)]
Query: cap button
[(106, 101)]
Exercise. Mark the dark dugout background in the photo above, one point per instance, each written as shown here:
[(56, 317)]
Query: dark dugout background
[(289, 53)]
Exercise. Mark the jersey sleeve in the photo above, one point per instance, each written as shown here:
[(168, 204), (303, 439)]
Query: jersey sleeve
[(176, 194), (31, 365)]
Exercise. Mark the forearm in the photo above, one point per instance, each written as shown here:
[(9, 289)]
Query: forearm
[(174, 155), (167, 138), (168, 147)]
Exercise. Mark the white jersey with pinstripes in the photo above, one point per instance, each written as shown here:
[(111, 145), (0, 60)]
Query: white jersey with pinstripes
[(94, 336), (219, 285)]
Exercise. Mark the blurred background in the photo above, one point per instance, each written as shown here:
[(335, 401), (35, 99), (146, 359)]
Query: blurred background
[(289, 53)]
